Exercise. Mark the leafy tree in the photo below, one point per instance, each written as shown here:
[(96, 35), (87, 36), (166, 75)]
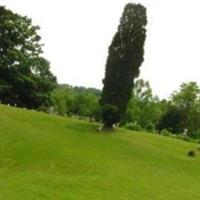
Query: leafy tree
[(62, 98), (184, 110), (77, 101), (85, 102), (172, 120), (125, 57), (143, 108), (25, 78), (188, 101)]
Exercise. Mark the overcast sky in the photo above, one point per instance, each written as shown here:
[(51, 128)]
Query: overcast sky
[(77, 34)]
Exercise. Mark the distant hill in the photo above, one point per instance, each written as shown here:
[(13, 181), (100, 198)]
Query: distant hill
[(48, 157)]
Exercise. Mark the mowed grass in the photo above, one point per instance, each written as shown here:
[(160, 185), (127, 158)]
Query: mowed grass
[(55, 158)]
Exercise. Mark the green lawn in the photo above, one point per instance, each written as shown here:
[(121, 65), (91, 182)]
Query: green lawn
[(54, 158)]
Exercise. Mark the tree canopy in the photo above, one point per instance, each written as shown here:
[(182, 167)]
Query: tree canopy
[(183, 110), (25, 77), (123, 62)]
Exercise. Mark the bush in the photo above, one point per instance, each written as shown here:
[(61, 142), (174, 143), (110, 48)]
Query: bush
[(133, 126), (165, 132), (191, 153), (150, 127), (196, 134)]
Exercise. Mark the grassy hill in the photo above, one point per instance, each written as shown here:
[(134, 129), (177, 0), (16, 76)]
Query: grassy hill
[(54, 158)]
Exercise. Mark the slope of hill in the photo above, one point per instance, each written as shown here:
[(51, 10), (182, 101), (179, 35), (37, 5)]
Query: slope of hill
[(54, 158)]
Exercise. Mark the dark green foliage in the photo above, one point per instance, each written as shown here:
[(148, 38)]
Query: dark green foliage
[(191, 153), (183, 111), (188, 101), (150, 127), (110, 115), (196, 134), (172, 120), (25, 78), (125, 57)]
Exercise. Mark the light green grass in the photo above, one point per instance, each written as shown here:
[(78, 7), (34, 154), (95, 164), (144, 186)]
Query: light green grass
[(54, 158)]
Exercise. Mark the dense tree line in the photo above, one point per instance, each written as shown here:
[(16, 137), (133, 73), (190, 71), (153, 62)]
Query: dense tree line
[(145, 111), (77, 102)]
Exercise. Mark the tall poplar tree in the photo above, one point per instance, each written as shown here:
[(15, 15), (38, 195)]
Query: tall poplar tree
[(125, 57)]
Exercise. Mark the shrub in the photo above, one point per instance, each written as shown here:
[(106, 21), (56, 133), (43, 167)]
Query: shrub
[(150, 127), (191, 153), (174, 136), (165, 132), (133, 126), (196, 134)]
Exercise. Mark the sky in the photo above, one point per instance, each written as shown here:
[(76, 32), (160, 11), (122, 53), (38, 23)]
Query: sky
[(77, 35)]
